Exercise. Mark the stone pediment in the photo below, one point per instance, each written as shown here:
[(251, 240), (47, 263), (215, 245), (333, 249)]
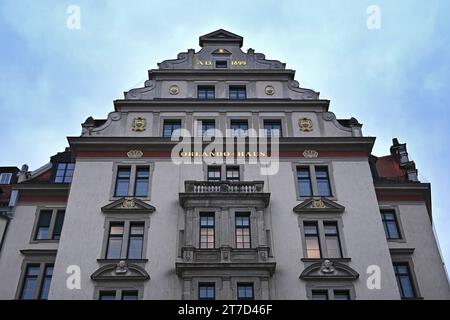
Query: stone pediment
[(120, 271), (220, 36), (318, 204), (329, 270), (128, 205)]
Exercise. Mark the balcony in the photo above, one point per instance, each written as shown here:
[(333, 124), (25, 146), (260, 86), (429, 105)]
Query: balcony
[(249, 193)]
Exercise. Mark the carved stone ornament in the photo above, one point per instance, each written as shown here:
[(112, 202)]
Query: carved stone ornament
[(327, 267), (269, 90), (128, 203), (318, 204), (121, 268), (305, 124), (310, 154), (139, 124), (174, 90), (135, 154)]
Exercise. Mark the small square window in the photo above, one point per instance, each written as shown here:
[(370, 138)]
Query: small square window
[(221, 64)]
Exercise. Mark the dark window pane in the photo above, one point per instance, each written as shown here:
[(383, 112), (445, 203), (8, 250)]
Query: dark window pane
[(304, 182), (46, 282), (107, 295), (129, 295), (332, 240), (122, 182), (171, 127), (206, 92), (206, 129), (245, 291), (64, 172), (206, 291), (30, 282), (237, 92), (233, 174), (136, 241), (214, 173), (323, 182), (43, 226), (58, 224), (319, 295), (142, 180), (273, 128), (390, 225), (341, 295), (404, 280), (221, 64)]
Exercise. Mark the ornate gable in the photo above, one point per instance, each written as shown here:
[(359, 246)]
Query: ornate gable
[(318, 204), (329, 270), (221, 36), (128, 205)]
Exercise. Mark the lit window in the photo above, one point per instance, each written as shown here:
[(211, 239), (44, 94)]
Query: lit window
[(207, 230), (243, 239), (232, 173), (115, 241), (312, 240), (214, 173)]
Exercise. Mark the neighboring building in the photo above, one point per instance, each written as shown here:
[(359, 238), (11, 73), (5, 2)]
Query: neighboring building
[(137, 225), (8, 176)]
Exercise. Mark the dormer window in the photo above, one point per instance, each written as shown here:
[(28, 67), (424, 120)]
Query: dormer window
[(5, 178), (64, 172)]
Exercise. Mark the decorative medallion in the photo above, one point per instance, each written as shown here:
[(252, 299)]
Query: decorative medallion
[(327, 267), (174, 90), (139, 124), (128, 203), (135, 154), (317, 203), (269, 90), (122, 267), (305, 124), (310, 154)]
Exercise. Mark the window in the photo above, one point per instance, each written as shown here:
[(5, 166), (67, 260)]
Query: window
[(36, 281), (221, 64), (273, 128), (207, 230), (5, 178), (49, 224), (107, 295), (319, 295), (64, 172), (330, 294), (232, 173), (206, 92), (136, 240), (243, 240), (332, 240), (48, 273), (313, 181), (206, 129), (239, 128), (304, 182), (341, 294), (237, 93), (206, 291), (214, 173), (132, 181), (130, 295), (390, 224), (141, 182), (115, 240), (404, 280), (123, 181), (245, 291), (171, 128), (312, 240), (118, 295), (323, 182)]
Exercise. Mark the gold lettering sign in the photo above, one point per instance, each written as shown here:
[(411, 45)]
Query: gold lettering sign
[(204, 62), (238, 62)]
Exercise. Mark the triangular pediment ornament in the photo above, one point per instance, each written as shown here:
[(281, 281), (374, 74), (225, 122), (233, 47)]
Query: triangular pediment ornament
[(221, 36), (120, 271), (318, 204), (329, 270), (221, 52), (128, 205)]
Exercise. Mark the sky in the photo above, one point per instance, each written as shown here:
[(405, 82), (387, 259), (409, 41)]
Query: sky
[(394, 79)]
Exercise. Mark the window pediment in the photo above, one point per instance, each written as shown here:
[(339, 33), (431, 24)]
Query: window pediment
[(120, 271), (128, 205), (329, 270), (318, 204)]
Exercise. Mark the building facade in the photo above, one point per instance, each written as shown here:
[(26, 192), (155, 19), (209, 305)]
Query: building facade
[(127, 212)]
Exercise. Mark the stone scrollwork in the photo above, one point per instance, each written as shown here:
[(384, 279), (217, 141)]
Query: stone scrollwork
[(317, 203), (128, 203), (305, 124), (139, 124), (310, 154)]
